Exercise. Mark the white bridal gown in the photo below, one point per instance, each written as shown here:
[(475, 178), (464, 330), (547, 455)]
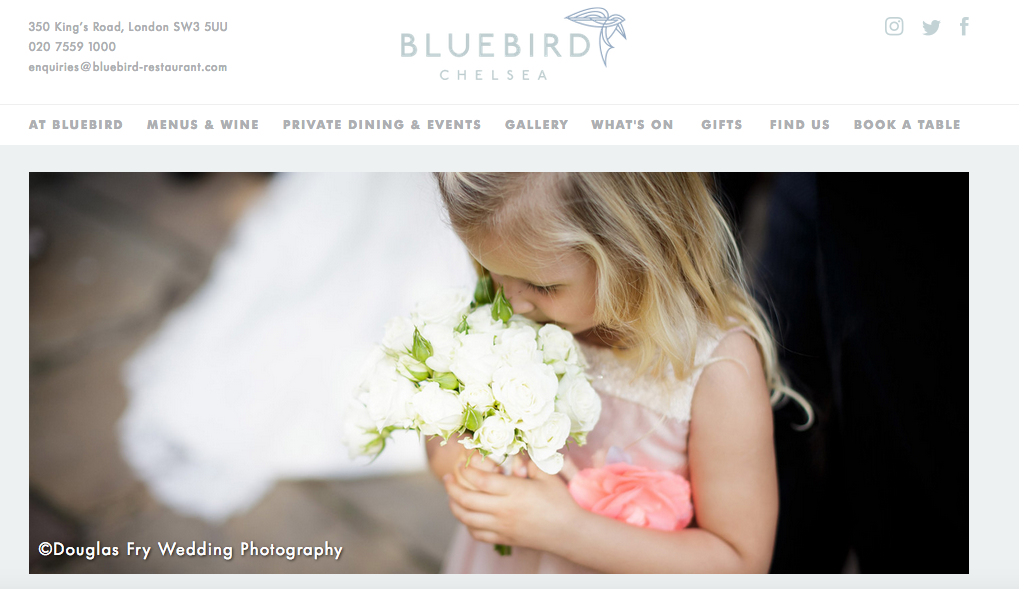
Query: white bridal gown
[(246, 382)]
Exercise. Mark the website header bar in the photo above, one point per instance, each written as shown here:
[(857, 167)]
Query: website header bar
[(532, 53)]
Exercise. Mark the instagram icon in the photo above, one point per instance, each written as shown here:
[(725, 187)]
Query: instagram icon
[(893, 25)]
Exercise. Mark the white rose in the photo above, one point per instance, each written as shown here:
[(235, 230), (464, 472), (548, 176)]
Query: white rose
[(439, 412), (399, 336), (359, 431), (526, 393), (480, 321), (578, 400), (517, 330), (478, 396), (557, 347), (518, 345), (545, 441), (496, 436), (551, 465), (377, 355), (443, 346), (474, 361), (388, 396), (577, 357), (521, 320), (574, 370), (445, 308)]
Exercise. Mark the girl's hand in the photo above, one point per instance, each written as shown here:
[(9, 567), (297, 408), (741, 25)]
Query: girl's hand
[(532, 512), (443, 459), (473, 460)]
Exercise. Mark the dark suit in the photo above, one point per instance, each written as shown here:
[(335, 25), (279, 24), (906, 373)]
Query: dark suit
[(866, 278)]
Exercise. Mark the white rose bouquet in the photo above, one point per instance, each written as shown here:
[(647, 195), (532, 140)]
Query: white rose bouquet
[(469, 365)]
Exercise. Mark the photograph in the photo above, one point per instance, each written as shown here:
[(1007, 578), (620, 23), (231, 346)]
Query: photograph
[(498, 372)]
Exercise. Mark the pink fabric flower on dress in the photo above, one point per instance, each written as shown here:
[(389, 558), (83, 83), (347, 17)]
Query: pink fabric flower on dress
[(635, 495)]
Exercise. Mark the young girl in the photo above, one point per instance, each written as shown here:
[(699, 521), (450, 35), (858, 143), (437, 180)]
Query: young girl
[(644, 271)]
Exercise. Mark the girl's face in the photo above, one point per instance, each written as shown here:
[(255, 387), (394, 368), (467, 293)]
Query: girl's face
[(546, 288)]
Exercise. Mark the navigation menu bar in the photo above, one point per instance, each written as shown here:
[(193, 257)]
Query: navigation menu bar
[(482, 125)]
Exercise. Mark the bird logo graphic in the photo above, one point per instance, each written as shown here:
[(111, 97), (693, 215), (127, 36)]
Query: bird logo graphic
[(600, 18), (930, 29)]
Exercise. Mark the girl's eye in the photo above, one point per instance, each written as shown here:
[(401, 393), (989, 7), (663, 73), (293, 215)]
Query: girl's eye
[(545, 290)]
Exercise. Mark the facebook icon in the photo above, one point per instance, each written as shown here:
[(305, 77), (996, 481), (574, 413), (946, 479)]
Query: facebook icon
[(964, 24)]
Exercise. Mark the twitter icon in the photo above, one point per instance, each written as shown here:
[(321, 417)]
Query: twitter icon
[(930, 29)]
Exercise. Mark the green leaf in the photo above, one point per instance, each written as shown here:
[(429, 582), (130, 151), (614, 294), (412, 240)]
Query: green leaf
[(501, 308), (446, 380), (462, 327), (504, 550), (381, 443), (422, 348), (474, 419), (484, 292), (476, 452)]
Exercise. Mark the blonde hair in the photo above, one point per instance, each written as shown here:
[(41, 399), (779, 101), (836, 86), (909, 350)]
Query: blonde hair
[(668, 264)]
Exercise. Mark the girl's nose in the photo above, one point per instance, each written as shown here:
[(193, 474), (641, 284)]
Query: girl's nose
[(515, 292), (516, 295), (520, 304)]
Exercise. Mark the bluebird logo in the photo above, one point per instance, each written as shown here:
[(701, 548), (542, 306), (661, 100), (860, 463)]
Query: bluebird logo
[(600, 18), (964, 24), (930, 29)]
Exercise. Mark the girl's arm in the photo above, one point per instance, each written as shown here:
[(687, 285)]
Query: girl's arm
[(733, 478)]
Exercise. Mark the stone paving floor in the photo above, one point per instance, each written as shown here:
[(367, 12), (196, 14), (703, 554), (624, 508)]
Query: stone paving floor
[(112, 254)]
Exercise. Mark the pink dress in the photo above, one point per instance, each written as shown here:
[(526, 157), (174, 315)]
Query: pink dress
[(647, 419)]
